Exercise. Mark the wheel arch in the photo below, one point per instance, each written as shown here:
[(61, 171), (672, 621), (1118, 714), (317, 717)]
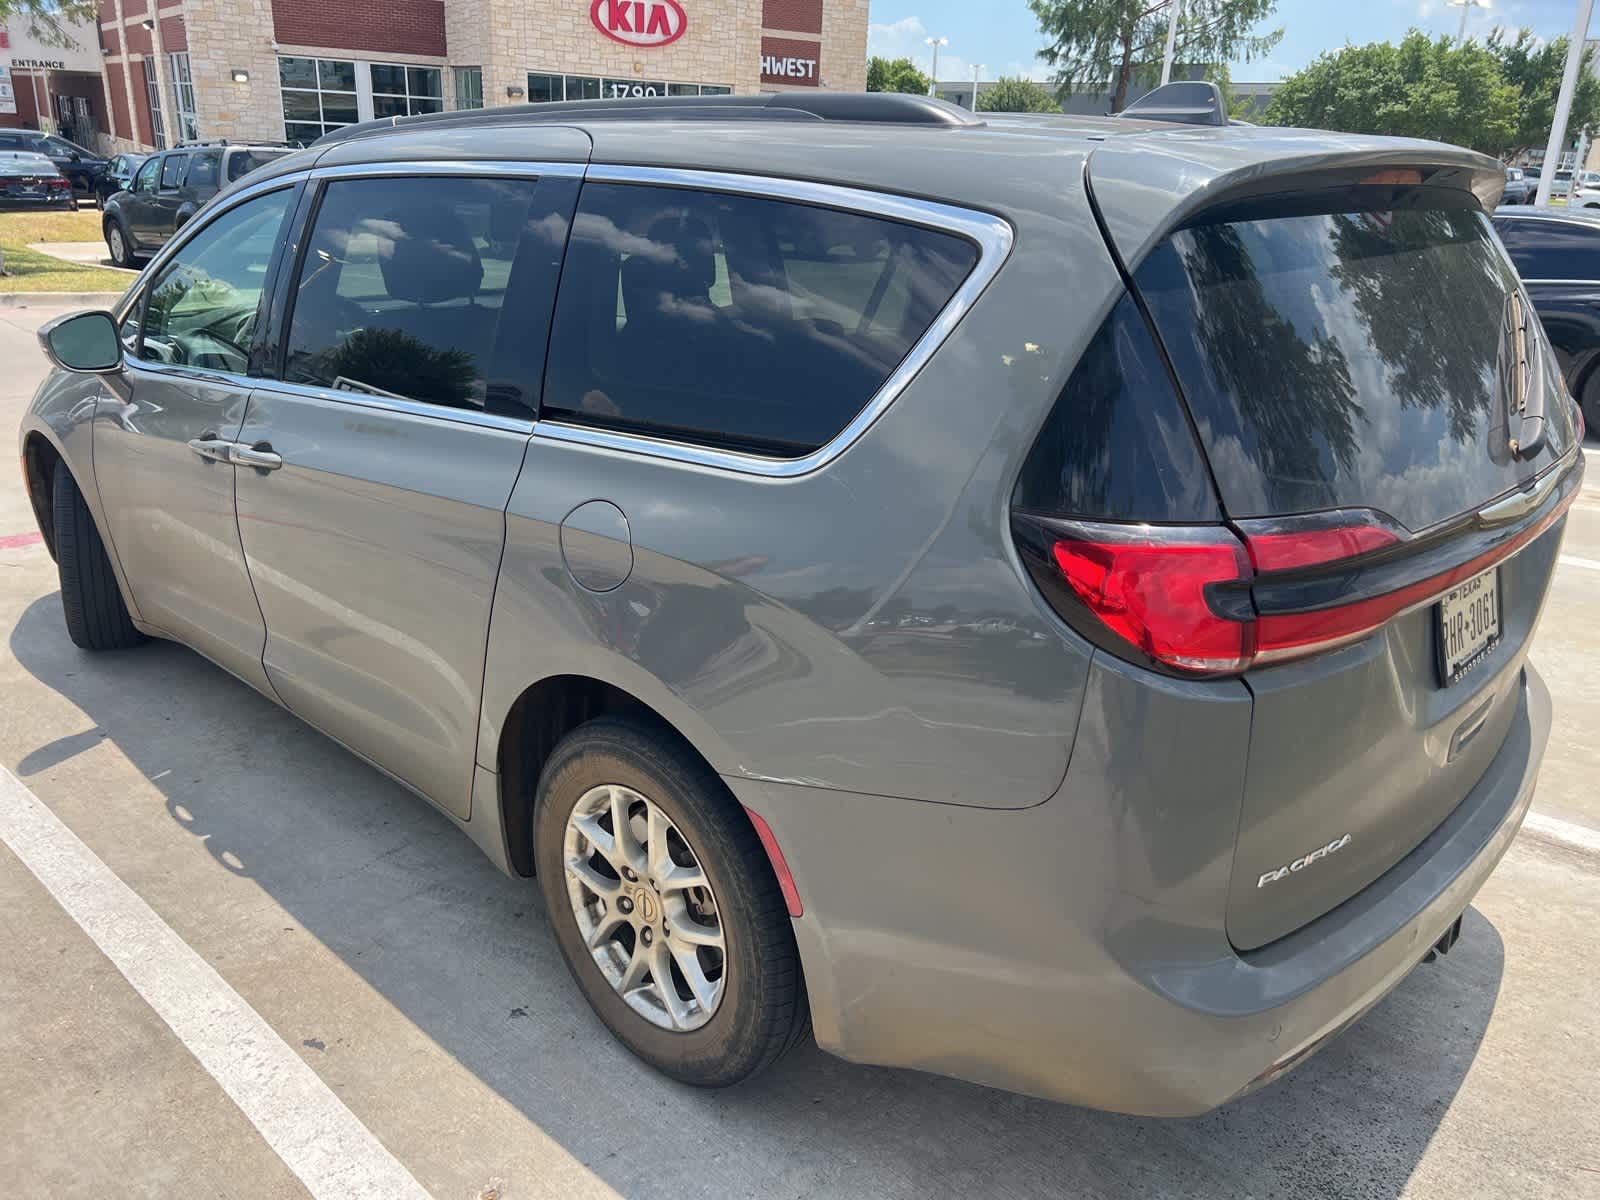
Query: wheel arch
[(544, 713), (41, 459)]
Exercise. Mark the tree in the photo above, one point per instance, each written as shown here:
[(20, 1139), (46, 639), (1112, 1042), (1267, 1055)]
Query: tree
[(1534, 69), (1099, 43), (896, 75), (1016, 95), (1439, 89), (51, 22)]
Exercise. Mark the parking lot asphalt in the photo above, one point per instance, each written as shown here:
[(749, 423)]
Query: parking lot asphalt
[(426, 996)]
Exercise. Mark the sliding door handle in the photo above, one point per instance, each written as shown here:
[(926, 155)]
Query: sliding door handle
[(210, 446), (260, 456)]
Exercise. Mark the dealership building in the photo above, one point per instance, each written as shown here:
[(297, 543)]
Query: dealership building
[(291, 70)]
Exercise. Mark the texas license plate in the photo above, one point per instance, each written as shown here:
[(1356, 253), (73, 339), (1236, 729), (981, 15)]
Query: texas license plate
[(1469, 624)]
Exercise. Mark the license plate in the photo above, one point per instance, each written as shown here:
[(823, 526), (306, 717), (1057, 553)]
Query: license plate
[(1469, 624)]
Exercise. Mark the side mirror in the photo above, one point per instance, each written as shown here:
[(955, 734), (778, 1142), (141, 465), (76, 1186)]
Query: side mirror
[(85, 342)]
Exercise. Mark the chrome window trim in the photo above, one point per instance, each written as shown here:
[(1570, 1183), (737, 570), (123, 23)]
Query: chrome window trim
[(412, 408), (993, 236), (490, 168)]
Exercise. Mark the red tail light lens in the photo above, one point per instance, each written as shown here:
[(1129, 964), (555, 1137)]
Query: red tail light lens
[(1202, 601), (1152, 593), (59, 182)]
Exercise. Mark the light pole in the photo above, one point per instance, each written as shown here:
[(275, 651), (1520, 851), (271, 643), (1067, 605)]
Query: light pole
[(935, 42), (1172, 38), (977, 70), (1569, 84), (1466, 6)]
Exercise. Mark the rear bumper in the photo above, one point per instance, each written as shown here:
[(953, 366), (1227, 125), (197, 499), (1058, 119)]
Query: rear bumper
[(1007, 947)]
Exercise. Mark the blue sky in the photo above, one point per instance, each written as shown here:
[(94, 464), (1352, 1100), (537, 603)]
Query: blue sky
[(1004, 35)]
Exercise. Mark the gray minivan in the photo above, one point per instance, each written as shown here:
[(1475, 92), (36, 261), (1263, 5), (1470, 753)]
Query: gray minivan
[(1044, 600)]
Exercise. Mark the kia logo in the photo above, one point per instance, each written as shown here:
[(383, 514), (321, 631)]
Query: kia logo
[(639, 22)]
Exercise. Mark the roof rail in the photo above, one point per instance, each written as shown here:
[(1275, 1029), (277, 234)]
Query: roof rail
[(885, 108), (190, 145), (1185, 102)]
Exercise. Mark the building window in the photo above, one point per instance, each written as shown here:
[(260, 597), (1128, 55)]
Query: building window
[(183, 97), (469, 87), (319, 95), (544, 87), (158, 126), (405, 91)]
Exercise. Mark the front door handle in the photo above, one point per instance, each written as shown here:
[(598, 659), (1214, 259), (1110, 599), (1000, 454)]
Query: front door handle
[(261, 456), (210, 446)]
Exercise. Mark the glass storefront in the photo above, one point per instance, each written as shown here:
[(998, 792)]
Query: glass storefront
[(544, 87), (324, 94)]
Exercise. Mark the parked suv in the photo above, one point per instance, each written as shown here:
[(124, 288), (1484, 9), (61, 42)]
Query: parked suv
[(81, 167), (1025, 596), (169, 188)]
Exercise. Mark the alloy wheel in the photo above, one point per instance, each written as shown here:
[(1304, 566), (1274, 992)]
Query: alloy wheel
[(645, 908)]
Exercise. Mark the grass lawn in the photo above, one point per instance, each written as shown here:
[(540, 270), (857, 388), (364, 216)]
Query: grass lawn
[(35, 272)]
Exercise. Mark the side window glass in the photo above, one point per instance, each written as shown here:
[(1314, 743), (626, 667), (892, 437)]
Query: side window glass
[(203, 170), (128, 330), (201, 310), (172, 170), (737, 321), (437, 290), (145, 181)]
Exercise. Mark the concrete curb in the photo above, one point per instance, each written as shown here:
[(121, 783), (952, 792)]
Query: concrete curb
[(59, 299)]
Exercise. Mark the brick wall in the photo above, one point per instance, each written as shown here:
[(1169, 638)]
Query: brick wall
[(27, 115), (119, 102), (174, 34), (372, 26), (112, 41), (791, 62), (792, 16), (138, 39), (141, 105)]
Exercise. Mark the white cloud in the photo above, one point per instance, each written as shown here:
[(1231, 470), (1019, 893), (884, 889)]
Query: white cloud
[(907, 39)]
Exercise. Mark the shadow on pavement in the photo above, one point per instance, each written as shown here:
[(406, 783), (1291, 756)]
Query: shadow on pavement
[(412, 907)]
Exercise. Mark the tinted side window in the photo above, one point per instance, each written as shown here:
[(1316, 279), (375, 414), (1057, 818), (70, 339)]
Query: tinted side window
[(202, 309), (738, 321), (242, 162), (1117, 445), (1551, 249), (172, 170), (10, 141), (203, 170), (146, 179), (436, 290)]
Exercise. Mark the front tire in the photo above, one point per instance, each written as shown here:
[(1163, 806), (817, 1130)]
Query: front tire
[(676, 930), (97, 619)]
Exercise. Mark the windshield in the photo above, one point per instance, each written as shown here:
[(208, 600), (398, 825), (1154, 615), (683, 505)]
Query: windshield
[(1348, 358)]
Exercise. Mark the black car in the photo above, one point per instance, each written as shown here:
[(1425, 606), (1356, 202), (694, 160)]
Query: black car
[(117, 177), (82, 167), (32, 181), (1557, 253), (168, 188)]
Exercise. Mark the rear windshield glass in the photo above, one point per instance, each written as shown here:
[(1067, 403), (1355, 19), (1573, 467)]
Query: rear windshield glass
[(242, 162), (1347, 358)]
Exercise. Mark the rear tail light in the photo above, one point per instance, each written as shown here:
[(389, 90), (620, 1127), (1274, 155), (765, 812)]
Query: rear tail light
[(59, 182), (1212, 601)]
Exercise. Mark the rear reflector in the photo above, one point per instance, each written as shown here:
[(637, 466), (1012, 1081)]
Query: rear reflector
[(780, 865), (1184, 596)]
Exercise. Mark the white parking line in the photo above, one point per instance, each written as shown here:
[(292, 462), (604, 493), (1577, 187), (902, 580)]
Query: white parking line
[(1573, 560), (1579, 836), (307, 1126)]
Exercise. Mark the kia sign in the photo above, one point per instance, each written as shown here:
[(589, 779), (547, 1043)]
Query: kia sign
[(791, 61), (645, 23)]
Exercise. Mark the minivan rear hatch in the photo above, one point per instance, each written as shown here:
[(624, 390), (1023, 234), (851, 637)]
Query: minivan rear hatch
[(1391, 442)]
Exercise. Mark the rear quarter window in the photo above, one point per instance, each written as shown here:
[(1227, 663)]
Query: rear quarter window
[(242, 162), (739, 322)]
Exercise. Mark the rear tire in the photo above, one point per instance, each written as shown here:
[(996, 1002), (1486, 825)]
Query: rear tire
[(118, 245), (97, 619), (759, 1011), (1591, 402)]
